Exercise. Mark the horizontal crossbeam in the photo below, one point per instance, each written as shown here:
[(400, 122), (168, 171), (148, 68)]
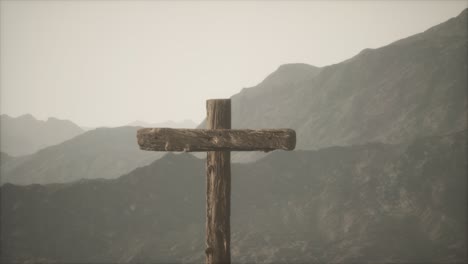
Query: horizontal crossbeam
[(192, 140)]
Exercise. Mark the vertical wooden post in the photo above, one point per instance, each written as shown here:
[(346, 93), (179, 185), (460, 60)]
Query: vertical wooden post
[(218, 188)]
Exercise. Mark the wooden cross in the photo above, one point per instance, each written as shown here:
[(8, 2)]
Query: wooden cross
[(217, 140)]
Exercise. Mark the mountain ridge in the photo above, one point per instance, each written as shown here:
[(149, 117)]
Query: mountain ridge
[(412, 87), (102, 152), (295, 207), (24, 135)]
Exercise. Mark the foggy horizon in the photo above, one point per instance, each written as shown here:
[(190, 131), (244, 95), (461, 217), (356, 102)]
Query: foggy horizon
[(160, 61)]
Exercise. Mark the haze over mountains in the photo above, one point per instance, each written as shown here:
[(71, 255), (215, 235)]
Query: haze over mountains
[(412, 87), (25, 135), (99, 153), (96, 153), (386, 181)]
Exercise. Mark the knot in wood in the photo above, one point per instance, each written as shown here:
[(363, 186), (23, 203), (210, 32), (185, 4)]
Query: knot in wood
[(210, 169), (209, 251)]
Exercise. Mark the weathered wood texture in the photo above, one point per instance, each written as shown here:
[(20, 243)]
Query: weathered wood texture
[(218, 188), (169, 139), (218, 140)]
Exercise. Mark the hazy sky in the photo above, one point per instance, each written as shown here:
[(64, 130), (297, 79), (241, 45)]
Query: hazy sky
[(112, 62)]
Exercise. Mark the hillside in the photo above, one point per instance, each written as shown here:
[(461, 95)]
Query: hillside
[(372, 203), (410, 88), (25, 135), (100, 153)]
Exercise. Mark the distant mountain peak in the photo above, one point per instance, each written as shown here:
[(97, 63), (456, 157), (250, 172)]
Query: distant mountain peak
[(291, 71), (53, 119), (17, 139), (27, 117), (455, 27), (463, 13), (296, 66), (412, 87), (30, 117)]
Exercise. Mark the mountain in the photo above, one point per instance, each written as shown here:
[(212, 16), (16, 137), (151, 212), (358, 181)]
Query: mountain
[(372, 203), (269, 96), (100, 153), (172, 124), (399, 199), (25, 135), (86, 128), (413, 87)]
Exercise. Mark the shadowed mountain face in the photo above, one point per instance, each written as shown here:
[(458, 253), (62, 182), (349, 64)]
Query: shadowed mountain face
[(25, 135), (413, 87), (371, 203), (100, 153)]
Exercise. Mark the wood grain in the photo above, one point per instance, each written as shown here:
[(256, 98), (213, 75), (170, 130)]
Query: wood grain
[(218, 188), (218, 140), (191, 140)]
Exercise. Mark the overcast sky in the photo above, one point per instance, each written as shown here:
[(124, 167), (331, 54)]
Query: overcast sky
[(107, 63)]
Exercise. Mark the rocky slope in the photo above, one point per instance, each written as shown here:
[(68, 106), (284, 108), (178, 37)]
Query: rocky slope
[(373, 203), (410, 88), (25, 135)]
